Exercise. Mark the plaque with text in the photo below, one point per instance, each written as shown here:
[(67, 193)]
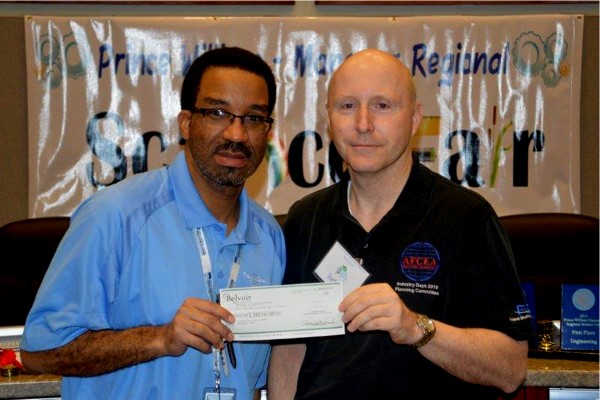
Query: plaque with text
[(579, 320)]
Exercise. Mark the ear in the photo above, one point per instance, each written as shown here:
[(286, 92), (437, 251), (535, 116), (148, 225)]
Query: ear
[(416, 118), (327, 111), (184, 120)]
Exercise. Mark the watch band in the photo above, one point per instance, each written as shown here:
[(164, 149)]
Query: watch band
[(428, 327)]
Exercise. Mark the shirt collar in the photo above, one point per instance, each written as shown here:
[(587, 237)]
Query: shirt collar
[(192, 208)]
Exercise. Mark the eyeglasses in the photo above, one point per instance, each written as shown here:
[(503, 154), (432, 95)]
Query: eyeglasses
[(223, 119)]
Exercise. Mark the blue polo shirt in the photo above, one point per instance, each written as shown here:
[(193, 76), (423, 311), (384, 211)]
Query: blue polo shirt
[(130, 259)]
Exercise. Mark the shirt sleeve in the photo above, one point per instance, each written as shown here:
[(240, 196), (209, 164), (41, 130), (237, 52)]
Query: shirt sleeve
[(79, 283)]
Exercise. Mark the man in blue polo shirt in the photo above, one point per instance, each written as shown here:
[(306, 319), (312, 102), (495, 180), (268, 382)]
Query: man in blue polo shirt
[(128, 308)]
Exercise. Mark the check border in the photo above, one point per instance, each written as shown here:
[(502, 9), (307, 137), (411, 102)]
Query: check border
[(284, 311)]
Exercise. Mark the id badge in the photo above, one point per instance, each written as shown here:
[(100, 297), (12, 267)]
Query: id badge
[(212, 393), (338, 265)]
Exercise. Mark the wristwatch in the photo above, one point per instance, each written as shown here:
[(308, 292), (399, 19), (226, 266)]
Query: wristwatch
[(428, 327)]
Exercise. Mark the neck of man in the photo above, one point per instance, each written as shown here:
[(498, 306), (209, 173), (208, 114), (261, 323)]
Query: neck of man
[(225, 207), (373, 194), (222, 201)]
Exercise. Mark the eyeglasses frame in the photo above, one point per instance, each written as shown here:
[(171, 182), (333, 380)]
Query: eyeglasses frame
[(201, 110)]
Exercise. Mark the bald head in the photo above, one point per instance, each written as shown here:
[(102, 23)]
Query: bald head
[(373, 114), (374, 64)]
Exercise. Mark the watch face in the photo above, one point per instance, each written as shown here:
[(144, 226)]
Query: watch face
[(429, 324), (428, 327), (425, 323)]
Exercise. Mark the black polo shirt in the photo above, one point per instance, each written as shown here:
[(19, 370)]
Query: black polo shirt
[(442, 249)]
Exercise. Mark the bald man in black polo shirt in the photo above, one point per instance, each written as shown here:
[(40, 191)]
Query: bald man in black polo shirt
[(442, 312)]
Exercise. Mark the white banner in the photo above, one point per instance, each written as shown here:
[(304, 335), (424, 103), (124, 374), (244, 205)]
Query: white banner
[(500, 95)]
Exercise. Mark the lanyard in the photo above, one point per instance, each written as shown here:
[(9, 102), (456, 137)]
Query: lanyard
[(207, 265), (219, 360)]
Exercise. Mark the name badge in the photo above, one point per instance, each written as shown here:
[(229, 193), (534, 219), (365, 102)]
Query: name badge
[(338, 265), (219, 394)]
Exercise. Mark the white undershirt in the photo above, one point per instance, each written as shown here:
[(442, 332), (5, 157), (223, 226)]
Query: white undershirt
[(348, 198)]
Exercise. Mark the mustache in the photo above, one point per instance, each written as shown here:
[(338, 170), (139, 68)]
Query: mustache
[(235, 147)]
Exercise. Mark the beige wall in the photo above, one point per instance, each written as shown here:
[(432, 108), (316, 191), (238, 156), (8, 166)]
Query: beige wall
[(13, 90)]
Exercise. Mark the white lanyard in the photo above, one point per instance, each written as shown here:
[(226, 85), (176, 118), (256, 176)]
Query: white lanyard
[(219, 359), (207, 265)]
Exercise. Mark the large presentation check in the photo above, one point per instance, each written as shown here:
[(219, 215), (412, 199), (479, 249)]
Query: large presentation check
[(284, 311)]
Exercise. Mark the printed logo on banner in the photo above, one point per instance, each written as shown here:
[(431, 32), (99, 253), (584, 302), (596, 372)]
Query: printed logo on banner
[(534, 56), (57, 58)]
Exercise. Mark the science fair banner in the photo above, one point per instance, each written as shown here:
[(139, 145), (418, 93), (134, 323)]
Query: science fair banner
[(500, 95)]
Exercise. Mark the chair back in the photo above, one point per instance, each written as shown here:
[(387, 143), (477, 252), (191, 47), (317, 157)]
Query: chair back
[(27, 247)]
